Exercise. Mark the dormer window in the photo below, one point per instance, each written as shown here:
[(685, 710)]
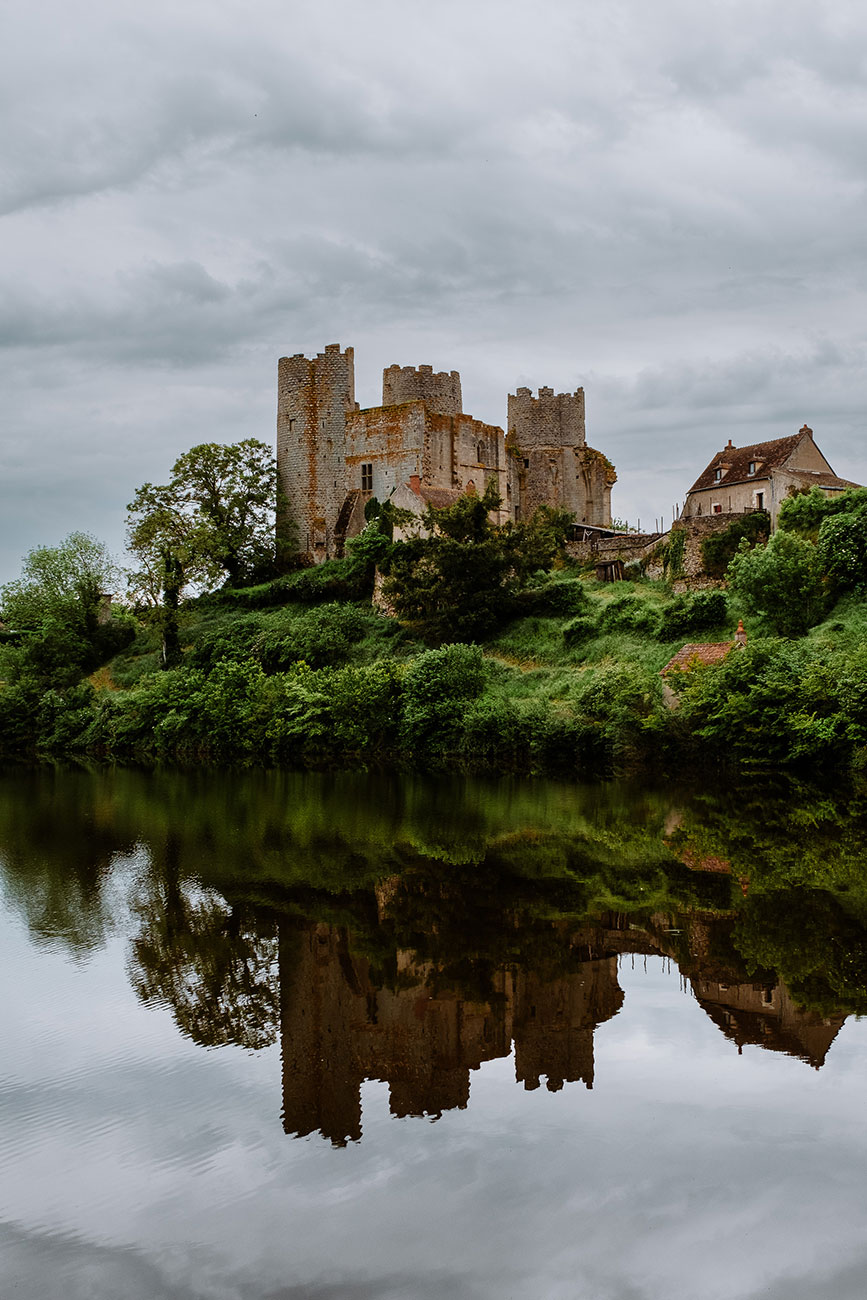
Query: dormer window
[(717, 475), (752, 467)]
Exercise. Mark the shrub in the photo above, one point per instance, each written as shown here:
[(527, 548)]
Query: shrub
[(692, 613), (436, 688), (781, 581), (629, 613), (579, 630), (559, 598), (841, 550)]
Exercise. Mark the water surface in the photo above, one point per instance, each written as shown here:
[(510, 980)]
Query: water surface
[(309, 1036)]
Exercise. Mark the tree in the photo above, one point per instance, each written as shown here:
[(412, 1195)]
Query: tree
[(171, 545), (213, 521), (781, 581), (461, 580), (62, 584), (233, 491)]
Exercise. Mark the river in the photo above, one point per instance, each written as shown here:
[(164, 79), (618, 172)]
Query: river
[(286, 1036)]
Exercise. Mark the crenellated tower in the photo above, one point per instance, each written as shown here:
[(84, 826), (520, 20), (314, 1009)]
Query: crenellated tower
[(313, 399), (440, 391), (551, 463)]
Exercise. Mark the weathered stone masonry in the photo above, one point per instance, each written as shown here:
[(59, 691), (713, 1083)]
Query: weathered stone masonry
[(420, 447)]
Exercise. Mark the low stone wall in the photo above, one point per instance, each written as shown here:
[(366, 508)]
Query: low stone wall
[(649, 549)]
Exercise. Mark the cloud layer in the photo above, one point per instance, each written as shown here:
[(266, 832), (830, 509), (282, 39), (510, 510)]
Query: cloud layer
[(665, 204)]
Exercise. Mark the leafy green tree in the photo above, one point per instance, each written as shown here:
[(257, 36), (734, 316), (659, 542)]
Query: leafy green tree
[(170, 544), (213, 521), (64, 584), (232, 489), (781, 581)]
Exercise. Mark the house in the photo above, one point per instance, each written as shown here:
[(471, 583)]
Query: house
[(761, 476)]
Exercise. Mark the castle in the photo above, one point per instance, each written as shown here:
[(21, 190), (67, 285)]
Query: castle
[(419, 448)]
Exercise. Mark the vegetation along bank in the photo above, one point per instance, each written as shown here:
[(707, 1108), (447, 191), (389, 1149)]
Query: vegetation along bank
[(469, 645)]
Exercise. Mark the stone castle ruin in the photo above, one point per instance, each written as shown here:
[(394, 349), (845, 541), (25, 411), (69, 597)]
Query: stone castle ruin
[(419, 448)]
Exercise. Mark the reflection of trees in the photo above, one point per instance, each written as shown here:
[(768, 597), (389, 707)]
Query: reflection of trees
[(56, 855), (213, 965)]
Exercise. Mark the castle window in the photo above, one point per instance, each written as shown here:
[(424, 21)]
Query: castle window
[(717, 508), (292, 424), (480, 453), (367, 478), (526, 463)]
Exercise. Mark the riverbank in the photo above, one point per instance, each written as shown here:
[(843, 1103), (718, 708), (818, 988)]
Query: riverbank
[(570, 686)]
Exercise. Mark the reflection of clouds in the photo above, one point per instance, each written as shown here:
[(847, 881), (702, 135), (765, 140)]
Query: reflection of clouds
[(687, 1172)]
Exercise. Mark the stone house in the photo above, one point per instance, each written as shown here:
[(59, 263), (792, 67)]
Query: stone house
[(761, 476), (420, 448)]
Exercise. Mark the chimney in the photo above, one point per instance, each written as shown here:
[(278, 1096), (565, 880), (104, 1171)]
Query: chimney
[(741, 634), (730, 445), (807, 430)]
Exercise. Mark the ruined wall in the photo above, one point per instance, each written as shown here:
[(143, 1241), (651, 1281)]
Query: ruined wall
[(440, 391), (391, 439), (550, 462), (313, 398)]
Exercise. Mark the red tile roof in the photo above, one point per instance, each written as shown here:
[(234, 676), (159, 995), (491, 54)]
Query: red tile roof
[(710, 652), (735, 462)]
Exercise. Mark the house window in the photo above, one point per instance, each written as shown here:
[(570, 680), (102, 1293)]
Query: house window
[(717, 508), (717, 475), (768, 997), (367, 478), (752, 467), (760, 500)]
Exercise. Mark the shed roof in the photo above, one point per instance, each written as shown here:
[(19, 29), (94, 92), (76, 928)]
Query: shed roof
[(704, 653)]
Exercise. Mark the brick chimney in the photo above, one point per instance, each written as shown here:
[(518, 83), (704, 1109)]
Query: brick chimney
[(741, 634), (805, 428)]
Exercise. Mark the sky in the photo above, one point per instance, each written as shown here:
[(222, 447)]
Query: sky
[(663, 203)]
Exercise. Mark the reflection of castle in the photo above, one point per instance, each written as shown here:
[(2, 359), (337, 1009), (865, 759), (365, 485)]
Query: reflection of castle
[(339, 1027)]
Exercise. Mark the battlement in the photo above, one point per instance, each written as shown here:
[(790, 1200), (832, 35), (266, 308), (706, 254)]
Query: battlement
[(549, 420), (440, 390)]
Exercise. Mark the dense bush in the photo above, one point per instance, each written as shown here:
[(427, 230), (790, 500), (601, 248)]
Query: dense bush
[(841, 551), (692, 612), (629, 613), (437, 686), (782, 581), (580, 629)]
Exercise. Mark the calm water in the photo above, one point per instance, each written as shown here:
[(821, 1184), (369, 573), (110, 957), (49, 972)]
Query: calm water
[(271, 1036)]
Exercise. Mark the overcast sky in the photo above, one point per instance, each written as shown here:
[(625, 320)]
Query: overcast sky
[(664, 203)]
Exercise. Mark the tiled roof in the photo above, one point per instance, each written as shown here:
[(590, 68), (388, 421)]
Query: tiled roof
[(819, 478), (709, 652), (440, 497), (735, 462)]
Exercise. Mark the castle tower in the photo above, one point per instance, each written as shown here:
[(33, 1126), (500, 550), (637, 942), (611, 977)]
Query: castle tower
[(551, 463), (313, 398), (440, 391)]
